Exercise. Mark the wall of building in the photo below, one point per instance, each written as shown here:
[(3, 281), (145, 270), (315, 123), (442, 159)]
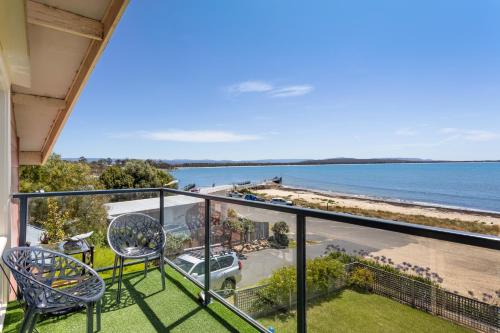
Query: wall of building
[(14, 183), (5, 175)]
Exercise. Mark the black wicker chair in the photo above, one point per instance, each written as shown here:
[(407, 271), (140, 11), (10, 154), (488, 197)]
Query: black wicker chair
[(135, 236), (52, 282)]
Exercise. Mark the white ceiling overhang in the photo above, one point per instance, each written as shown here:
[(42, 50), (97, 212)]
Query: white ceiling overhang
[(65, 40)]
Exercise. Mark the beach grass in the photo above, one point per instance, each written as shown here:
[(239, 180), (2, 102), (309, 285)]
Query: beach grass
[(454, 224)]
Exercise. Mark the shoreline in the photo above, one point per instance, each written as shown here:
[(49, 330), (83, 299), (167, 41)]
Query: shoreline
[(395, 201), (381, 204)]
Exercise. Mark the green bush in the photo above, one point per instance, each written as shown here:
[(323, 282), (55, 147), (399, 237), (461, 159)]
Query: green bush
[(341, 256), (280, 289), (361, 278), (280, 228), (281, 286), (322, 272), (175, 243), (280, 237)]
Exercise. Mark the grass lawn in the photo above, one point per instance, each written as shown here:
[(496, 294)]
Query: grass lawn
[(350, 311), (144, 308)]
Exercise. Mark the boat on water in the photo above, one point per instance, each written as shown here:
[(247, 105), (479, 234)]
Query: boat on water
[(277, 180)]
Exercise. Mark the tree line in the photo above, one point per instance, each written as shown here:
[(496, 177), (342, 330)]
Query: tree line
[(61, 217)]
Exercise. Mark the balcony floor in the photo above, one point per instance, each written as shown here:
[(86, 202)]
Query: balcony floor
[(144, 307)]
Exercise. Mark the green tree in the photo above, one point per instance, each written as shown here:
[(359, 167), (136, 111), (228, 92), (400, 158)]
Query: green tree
[(82, 213), (57, 175), (115, 177), (134, 174)]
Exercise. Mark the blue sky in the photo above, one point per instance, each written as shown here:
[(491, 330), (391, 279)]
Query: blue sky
[(294, 79)]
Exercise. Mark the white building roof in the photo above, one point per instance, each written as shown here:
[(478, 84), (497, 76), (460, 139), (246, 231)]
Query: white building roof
[(143, 205)]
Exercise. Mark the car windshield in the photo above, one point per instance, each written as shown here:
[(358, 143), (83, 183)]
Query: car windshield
[(183, 264)]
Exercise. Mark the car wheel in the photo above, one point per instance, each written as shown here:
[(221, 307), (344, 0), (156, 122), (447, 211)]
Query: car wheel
[(228, 287)]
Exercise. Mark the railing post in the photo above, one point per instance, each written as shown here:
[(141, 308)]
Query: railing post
[(207, 252), (162, 223), (23, 219), (301, 274), (162, 207)]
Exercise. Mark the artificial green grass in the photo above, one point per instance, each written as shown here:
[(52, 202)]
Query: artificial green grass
[(144, 308), (350, 311), (105, 257)]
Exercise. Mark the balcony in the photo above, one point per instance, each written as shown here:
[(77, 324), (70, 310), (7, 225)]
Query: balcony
[(338, 272), (144, 307)]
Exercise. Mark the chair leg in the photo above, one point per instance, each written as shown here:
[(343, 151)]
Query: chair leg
[(33, 322), (146, 267), (120, 275), (162, 271), (28, 317), (114, 269), (98, 314), (90, 317)]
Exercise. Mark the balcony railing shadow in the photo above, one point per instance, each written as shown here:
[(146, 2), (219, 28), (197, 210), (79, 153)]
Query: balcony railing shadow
[(144, 307)]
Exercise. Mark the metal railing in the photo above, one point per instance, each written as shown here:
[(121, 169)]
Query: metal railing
[(479, 240)]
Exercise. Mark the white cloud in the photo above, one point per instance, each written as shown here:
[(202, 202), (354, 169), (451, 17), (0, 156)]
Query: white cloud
[(406, 132), (203, 136), (469, 135), (251, 86), (290, 91), (264, 87)]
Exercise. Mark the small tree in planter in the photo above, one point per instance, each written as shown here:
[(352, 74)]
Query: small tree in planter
[(280, 237), (54, 224)]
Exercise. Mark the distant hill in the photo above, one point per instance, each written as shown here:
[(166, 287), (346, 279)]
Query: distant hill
[(167, 164), (337, 160), (265, 161), (348, 160)]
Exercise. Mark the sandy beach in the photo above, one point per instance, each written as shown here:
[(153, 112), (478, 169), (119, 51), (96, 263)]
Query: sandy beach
[(344, 200)]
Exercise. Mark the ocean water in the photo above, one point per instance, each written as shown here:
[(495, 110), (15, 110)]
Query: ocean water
[(468, 185)]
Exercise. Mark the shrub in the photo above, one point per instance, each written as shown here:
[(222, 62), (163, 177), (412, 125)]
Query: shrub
[(361, 278), (281, 287), (280, 237), (322, 272), (175, 243), (340, 256), (280, 228)]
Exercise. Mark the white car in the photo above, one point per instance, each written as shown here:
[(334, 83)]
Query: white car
[(280, 201), (225, 269)]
